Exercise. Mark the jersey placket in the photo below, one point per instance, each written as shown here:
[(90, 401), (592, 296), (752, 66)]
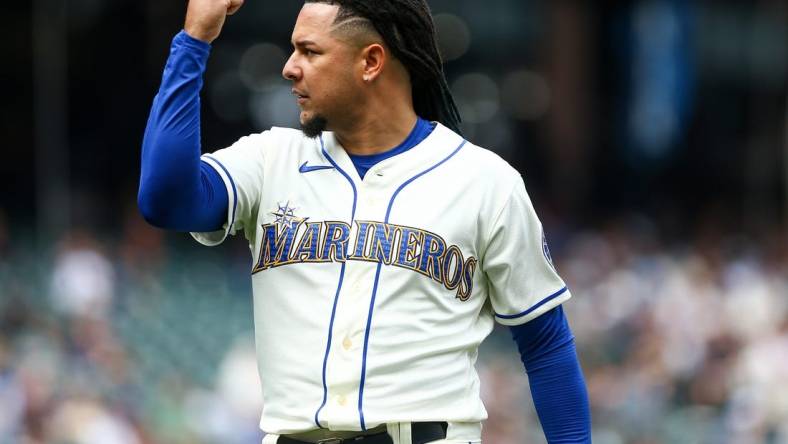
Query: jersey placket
[(345, 362)]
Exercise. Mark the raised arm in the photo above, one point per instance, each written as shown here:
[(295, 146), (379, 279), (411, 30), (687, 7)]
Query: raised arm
[(177, 191)]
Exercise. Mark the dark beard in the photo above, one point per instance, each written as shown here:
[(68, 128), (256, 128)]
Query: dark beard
[(314, 126)]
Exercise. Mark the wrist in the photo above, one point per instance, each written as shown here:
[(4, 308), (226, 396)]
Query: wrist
[(199, 35)]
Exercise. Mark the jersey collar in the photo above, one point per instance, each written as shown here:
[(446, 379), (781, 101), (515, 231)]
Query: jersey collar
[(436, 146)]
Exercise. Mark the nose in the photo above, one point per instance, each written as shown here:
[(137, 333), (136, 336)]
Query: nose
[(291, 70)]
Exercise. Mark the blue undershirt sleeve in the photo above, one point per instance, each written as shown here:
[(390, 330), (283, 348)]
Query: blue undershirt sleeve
[(547, 349), (177, 190)]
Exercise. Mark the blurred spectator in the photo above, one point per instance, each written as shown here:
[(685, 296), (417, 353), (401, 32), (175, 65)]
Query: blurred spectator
[(83, 279), (83, 421), (230, 413), (141, 250), (759, 394), (12, 397)]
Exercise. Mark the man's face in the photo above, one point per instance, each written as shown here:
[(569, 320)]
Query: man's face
[(323, 71)]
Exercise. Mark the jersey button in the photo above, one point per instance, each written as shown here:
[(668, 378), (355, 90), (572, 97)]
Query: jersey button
[(356, 289), (342, 400), (347, 343)]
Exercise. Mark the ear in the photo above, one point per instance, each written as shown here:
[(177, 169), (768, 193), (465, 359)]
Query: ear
[(374, 59)]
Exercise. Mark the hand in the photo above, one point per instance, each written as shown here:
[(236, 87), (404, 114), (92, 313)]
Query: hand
[(205, 18)]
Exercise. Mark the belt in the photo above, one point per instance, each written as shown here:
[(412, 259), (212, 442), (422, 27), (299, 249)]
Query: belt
[(421, 433)]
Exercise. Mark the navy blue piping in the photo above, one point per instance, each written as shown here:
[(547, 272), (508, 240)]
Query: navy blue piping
[(339, 286), (235, 192), (542, 302), (375, 286)]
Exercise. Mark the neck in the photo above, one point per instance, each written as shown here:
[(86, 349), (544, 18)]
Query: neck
[(378, 131)]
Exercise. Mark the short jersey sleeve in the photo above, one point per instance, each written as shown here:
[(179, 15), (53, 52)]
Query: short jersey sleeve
[(523, 283), (241, 167)]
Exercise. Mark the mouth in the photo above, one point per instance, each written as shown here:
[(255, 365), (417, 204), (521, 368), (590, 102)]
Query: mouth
[(300, 96)]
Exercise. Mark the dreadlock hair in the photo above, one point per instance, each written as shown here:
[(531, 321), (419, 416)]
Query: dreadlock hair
[(407, 28)]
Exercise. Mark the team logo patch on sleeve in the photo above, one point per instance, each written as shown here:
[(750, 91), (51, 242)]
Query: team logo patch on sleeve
[(290, 239), (546, 251)]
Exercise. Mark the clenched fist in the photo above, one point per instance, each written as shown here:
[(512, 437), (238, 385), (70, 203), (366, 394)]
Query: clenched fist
[(205, 18)]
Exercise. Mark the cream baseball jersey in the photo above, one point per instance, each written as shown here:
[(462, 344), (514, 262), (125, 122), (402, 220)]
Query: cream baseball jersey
[(372, 296)]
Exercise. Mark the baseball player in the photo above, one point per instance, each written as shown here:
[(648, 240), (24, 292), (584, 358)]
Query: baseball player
[(384, 244)]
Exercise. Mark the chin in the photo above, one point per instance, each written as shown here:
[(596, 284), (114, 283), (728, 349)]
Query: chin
[(313, 125)]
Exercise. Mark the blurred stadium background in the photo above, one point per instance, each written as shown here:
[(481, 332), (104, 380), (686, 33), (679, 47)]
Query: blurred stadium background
[(652, 136)]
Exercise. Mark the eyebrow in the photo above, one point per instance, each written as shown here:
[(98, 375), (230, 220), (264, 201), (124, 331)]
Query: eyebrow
[(304, 43)]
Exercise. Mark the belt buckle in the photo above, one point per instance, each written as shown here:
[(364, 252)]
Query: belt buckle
[(331, 441)]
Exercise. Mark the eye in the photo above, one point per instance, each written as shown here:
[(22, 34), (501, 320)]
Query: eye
[(310, 52)]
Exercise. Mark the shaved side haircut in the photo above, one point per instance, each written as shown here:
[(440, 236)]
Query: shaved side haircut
[(407, 29)]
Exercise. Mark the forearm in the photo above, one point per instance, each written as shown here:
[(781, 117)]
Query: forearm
[(560, 397), (178, 191), (557, 386)]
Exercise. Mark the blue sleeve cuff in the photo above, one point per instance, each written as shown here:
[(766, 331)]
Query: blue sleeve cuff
[(182, 39)]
